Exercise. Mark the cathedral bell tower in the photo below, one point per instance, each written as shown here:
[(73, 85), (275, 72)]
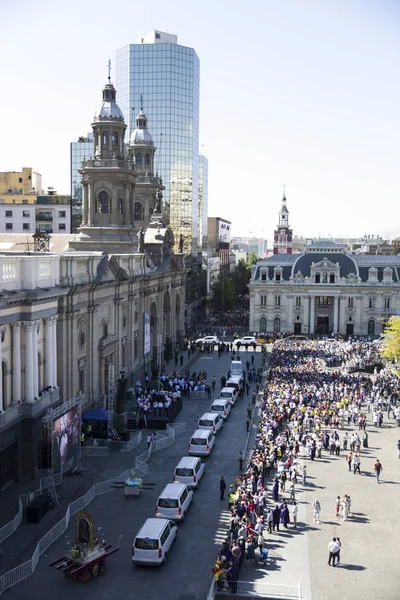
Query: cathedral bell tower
[(141, 151), (283, 235), (108, 178)]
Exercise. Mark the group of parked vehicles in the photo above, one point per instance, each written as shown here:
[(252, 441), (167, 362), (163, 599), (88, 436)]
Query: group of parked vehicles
[(157, 534)]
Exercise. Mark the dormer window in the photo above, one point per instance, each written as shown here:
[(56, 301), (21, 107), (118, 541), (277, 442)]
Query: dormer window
[(317, 278), (324, 278), (147, 159), (115, 138), (277, 276), (332, 278), (105, 138), (263, 276), (139, 159)]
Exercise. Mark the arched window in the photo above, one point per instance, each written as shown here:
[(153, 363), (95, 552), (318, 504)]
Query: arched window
[(105, 138), (277, 324), (147, 159), (115, 138), (263, 325), (139, 158), (332, 278), (371, 327), (103, 203), (138, 212), (317, 278), (325, 278)]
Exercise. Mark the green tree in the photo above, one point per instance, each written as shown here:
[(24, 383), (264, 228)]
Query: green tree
[(241, 277), (391, 341), (224, 294), (251, 259)]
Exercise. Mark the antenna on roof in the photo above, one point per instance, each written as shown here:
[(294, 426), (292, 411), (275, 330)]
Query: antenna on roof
[(141, 102), (132, 121), (109, 70), (284, 191)]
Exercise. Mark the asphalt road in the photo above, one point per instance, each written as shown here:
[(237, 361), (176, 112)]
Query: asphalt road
[(186, 576)]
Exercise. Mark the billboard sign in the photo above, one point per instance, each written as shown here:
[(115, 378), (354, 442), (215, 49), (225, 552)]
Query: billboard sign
[(224, 232), (146, 335), (66, 432)]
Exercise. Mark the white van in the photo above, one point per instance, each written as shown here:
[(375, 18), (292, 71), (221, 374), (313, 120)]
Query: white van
[(234, 382), (221, 406), (236, 368), (153, 542), (229, 393), (212, 421), (201, 443), (189, 471), (174, 501)]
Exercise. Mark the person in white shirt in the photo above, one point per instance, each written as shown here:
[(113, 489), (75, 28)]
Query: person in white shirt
[(295, 512), (333, 548)]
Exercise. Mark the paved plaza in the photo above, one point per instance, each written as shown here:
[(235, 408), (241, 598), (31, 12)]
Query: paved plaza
[(369, 538)]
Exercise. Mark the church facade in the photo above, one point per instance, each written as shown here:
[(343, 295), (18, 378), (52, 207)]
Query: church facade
[(82, 311)]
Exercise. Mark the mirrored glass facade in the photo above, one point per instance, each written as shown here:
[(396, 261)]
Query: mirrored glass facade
[(203, 206), (81, 149), (167, 75)]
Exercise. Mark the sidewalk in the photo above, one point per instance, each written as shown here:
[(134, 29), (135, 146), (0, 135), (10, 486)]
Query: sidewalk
[(20, 546)]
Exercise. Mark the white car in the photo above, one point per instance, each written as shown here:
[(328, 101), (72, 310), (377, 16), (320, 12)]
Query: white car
[(247, 340), (209, 339)]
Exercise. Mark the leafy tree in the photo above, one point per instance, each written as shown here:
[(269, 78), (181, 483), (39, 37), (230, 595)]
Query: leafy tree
[(391, 342), (251, 259), (224, 295)]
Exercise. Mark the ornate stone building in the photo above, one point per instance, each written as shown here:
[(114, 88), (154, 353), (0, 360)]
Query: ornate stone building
[(324, 290), (69, 311)]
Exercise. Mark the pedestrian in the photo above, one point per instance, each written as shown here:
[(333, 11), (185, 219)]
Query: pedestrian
[(295, 512), (276, 514), (181, 360), (241, 462), (338, 502), (275, 490), (365, 440), (356, 464), (149, 440), (304, 475), (213, 382), (232, 576), (349, 459), (222, 487), (398, 449), (333, 548), (345, 508), (248, 424), (378, 468), (249, 411), (253, 398), (292, 492), (338, 552), (270, 520), (317, 510)]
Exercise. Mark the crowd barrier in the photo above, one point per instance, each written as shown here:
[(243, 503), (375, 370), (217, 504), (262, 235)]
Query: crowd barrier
[(261, 589), (141, 469)]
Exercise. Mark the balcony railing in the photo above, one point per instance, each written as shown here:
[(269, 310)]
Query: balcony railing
[(15, 412)]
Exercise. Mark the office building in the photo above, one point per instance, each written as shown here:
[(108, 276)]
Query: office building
[(162, 77), (79, 151), (25, 182), (203, 206), (219, 239)]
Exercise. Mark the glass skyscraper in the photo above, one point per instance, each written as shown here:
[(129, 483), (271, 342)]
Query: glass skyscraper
[(81, 149), (203, 206), (163, 77)]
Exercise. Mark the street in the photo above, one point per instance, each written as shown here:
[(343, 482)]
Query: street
[(186, 576)]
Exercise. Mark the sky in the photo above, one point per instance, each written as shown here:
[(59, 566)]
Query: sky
[(301, 93)]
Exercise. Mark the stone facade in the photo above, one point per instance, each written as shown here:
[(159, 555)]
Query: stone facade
[(324, 290)]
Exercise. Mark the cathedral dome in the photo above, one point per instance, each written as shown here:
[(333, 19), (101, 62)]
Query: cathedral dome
[(141, 134), (108, 109)]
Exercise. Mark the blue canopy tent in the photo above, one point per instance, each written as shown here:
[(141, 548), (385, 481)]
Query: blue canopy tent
[(100, 414)]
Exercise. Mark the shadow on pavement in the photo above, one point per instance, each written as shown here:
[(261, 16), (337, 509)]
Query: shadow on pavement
[(353, 567)]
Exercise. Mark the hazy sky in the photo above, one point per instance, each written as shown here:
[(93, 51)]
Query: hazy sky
[(298, 92)]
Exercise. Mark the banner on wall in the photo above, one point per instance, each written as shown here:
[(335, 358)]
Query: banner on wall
[(146, 336), (224, 232)]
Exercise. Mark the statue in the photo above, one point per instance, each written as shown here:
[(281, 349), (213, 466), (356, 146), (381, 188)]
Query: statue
[(141, 240), (159, 196), (180, 246)]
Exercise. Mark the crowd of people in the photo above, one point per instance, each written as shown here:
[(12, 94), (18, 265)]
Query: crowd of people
[(306, 403)]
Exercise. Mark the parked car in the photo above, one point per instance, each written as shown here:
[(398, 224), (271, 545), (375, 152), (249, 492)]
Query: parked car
[(208, 339), (247, 340)]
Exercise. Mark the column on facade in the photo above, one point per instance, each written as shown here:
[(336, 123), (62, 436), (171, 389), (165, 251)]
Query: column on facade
[(312, 314), (54, 348), (358, 330), (289, 327), (2, 403), (335, 313), (16, 361), (49, 354), (127, 216), (84, 202), (29, 379), (90, 203), (35, 361), (305, 304)]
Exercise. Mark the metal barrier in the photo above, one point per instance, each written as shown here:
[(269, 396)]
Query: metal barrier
[(177, 427), (198, 395), (262, 589), (103, 446), (16, 575)]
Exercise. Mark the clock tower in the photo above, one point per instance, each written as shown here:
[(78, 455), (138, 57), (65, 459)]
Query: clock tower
[(283, 234)]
